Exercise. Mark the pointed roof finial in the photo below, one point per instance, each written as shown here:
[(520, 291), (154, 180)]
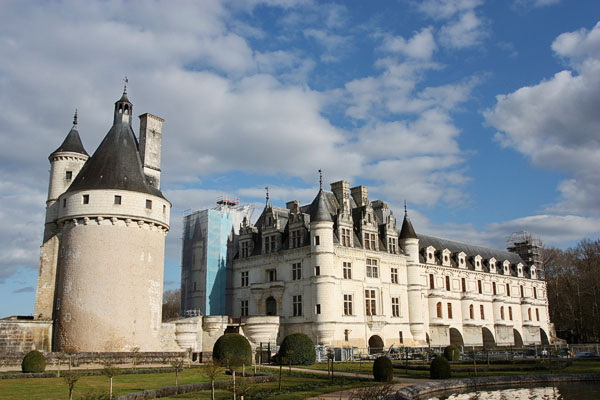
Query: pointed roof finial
[(405, 211), (320, 179), (126, 82), (75, 118), (267, 189)]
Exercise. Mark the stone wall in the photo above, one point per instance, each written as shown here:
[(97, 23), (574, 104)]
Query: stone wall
[(25, 335)]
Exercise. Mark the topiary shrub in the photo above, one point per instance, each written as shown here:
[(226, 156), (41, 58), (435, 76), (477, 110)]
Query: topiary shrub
[(452, 353), (440, 368), (232, 350), (34, 361), (383, 370), (297, 348)]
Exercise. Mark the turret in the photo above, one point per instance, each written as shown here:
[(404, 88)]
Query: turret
[(408, 239)]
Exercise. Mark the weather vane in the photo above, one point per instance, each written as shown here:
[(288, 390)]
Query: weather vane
[(75, 118), (320, 179), (267, 189), (405, 211), (126, 82)]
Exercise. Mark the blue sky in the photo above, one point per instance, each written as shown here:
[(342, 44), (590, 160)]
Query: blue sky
[(483, 115)]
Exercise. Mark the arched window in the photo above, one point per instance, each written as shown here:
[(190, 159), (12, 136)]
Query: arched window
[(529, 314), (471, 312), (439, 310), (502, 312)]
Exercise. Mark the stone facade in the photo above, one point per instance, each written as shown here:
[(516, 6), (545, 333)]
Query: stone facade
[(25, 335), (340, 271)]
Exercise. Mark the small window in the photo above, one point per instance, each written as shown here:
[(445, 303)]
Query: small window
[(317, 270), (372, 269), (117, 199), (318, 309), (347, 304), (395, 306), (64, 203), (494, 288), (347, 270), (463, 284), (296, 271), (482, 311), (508, 289), (449, 310), (195, 286), (317, 241), (471, 312), (69, 175), (86, 199), (272, 275), (245, 277), (431, 283), (447, 283), (394, 275), (502, 312), (346, 334), (522, 292), (535, 293), (479, 287), (149, 204), (244, 308), (510, 313), (164, 210), (537, 314), (400, 337), (439, 310)]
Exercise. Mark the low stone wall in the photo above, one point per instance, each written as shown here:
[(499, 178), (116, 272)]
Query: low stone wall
[(417, 391), (190, 388), (17, 335)]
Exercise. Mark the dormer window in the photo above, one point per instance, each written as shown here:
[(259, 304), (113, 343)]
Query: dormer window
[(506, 267), (370, 241), (461, 260), (346, 233), (520, 270), (392, 245), (270, 244), (430, 251), (492, 264), (532, 272), (245, 249), (296, 239), (478, 262), (446, 257)]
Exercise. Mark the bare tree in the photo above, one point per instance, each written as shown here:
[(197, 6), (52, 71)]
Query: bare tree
[(178, 365), (70, 379), (110, 371), (171, 303), (211, 370)]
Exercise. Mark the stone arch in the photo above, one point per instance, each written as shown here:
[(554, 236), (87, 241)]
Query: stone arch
[(271, 305), (488, 338), (375, 344), (518, 338), (456, 337), (544, 337)]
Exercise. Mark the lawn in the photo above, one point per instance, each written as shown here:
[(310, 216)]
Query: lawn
[(56, 388)]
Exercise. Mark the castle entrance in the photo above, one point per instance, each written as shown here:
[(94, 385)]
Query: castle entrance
[(488, 338), (375, 344), (544, 337), (271, 306)]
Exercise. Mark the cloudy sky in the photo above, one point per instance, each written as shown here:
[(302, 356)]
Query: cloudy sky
[(483, 115)]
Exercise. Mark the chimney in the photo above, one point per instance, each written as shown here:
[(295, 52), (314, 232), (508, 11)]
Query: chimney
[(360, 194), (150, 147), (341, 190)]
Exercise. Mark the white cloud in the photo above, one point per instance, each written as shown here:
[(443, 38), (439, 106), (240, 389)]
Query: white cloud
[(465, 31), (534, 3), (556, 122), (446, 9), (421, 45)]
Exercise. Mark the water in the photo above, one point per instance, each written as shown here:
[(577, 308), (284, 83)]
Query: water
[(563, 391)]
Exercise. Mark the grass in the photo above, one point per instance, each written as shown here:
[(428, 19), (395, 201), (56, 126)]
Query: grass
[(56, 388)]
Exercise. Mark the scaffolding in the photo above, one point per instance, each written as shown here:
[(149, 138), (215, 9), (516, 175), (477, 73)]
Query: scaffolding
[(528, 247)]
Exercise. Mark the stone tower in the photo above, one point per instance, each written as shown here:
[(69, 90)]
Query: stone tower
[(111, 222)]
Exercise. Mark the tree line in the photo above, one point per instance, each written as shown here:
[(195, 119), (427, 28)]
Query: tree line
[(573, 278)]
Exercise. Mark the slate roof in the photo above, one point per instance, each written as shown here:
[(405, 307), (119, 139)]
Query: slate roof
[(319, 210), (72, 143), (407, 231), (470, 250), (116, 164)]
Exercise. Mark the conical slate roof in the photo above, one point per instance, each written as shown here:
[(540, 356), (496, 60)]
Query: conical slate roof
[(319, 210), (72, 143), (407, 231), (116, 164)]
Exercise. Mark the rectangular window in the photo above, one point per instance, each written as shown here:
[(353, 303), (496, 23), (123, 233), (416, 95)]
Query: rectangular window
[(245, 249), (401, 337), (270, 244), (149, 204), (244, 278), (272, 275), (347, 270), (449, 310), (508, 289), (494, 288), (164, 210), (463, 284), (297, 305), (367, 242), (370, 302), (318, 309), (317, 241), (64, 203), (296, 271), (447, 283), (370, 239), (372, 269), (85, 199), (479, 287), (296, 238), (195, 286), (394, 275), (244, 308), (117, 199), (431, 282), (522, 295), (535, 293), (392, 245), (346, 237), (502, 312), (481, 311), (373, 239), (395, 307), (537, 314), (317, 270), (510, 313), (69, 175), (347, 304)]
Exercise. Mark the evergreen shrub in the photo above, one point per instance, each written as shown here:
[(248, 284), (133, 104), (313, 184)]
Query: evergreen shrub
[(440, 368), (383, 370), (299, 348), (34, 361), (452, 353), (233, 350)]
